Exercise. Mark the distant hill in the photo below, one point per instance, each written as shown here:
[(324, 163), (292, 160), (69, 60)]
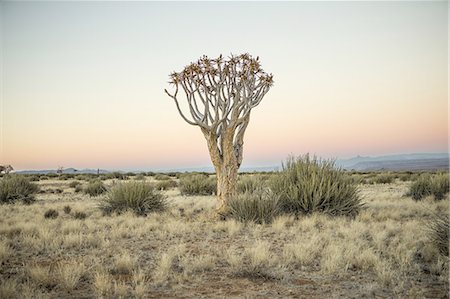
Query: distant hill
[(404, 162)]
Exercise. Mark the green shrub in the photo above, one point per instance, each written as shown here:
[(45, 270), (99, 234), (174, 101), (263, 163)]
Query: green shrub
[(139, 197), (95, 188), (74, 184), (259, 206), (249, 183), (197, 184), (166, 184), (427, 184), (439, 233), (15, 188), (306, 185), (51, 214)]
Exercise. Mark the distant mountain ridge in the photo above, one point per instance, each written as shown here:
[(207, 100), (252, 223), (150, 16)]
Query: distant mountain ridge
[(398, 162)]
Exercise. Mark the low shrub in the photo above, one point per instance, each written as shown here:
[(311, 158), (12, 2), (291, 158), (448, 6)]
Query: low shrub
[(116, 175), (15, 188), (139, 197), (384, 178), (166, 184), (427, 185), (67, 209), (74, 184), (306, 185), (95, 188), (161, 177), (51, 214), (197, 184), (259, 206), (78, 189), (79, 215)]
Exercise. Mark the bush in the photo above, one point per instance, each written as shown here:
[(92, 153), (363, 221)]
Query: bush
[(74, 184), (161, 177), (78, 189), (116, 175), (67, 209), (95, 188), (197, 184), (139, 197), (439, 233), (51, 214), (306, 185), (80, 215), (17, 188), (249, 183), (166, 184), (259, 206), (427, 185)]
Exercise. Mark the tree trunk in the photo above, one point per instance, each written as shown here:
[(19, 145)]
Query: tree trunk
[(227, 175)]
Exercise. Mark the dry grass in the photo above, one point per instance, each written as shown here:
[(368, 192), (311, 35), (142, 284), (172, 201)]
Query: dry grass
[(385, 251)]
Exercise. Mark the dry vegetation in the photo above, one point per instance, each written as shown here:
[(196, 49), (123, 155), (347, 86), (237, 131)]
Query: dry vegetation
[(388, 249)]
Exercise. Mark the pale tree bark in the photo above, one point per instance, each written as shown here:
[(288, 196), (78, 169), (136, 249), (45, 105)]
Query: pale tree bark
[(220, 95)]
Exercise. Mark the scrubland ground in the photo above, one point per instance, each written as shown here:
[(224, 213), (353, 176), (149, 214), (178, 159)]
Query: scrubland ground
[(186, 252)]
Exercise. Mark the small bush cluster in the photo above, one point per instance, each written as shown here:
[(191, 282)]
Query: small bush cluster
[(138, 197), (197, 184), (15, 188), (427, 185), (307, 185), (95, 188), (79, 215), (259, 206), (51, 214)]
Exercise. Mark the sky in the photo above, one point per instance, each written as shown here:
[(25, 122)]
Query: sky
[(82, 83)]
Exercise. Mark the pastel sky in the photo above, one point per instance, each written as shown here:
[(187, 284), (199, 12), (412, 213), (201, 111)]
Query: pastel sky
[(82, 82)]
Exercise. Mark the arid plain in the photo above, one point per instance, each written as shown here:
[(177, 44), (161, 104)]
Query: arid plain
[(76, 251)]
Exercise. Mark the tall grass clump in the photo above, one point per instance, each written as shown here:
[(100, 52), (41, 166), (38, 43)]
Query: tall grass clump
[(95, 188), (259, 206), (197, 184), (15, 188), (138, 197), (439, 233), (249, 183), (306, 185), (427, 185)]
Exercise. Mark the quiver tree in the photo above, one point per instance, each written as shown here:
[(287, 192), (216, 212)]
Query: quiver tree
[(220, 94)]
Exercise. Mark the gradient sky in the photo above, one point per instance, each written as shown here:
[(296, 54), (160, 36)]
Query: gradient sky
[(82, 82)]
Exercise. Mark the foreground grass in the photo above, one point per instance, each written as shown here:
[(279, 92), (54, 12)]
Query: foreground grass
[(385, 251)]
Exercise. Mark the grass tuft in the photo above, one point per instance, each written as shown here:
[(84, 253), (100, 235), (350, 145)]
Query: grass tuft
[(138, 197)]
